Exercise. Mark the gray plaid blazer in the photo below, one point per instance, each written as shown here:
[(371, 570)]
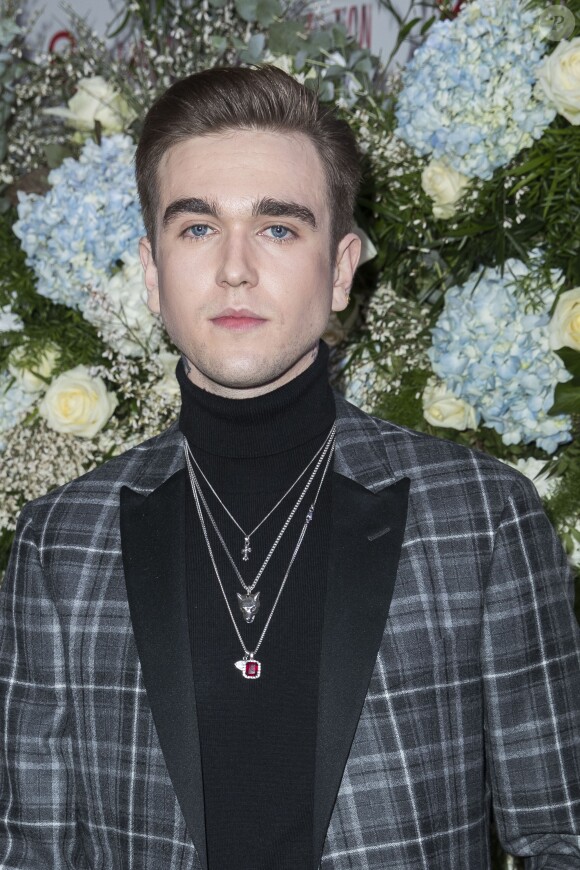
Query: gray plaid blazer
[(449, 685)]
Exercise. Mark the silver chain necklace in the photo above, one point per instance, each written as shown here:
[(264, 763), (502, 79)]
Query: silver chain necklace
[(250, 604), (246, 550), (250, 667)]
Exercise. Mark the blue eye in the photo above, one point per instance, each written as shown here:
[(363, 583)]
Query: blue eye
[(278, 229), (195, 227)]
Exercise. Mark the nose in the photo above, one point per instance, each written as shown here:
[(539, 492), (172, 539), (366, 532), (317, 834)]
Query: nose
[(237, 262)]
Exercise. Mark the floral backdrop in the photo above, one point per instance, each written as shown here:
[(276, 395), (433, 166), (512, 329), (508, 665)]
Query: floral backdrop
[(465, 313), (465, 320)]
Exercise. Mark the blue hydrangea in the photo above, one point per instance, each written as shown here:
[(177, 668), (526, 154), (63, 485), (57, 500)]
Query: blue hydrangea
[(15, 403), (74, 235), (491, 347), (468, 93)]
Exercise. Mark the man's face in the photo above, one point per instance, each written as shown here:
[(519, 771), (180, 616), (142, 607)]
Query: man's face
[(242, 274)]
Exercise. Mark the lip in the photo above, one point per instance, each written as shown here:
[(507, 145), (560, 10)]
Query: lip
[(238, 319)]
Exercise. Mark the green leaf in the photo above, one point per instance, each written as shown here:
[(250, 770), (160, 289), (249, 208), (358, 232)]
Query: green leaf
[(55, 154), (567, 399), (300, 59), (255, 46), (525, 168), (427, 26), (326, 91), (571, 359), (247, 9), (219, 43), (125, 18), (267, 11), (284, 38), (321, 39)]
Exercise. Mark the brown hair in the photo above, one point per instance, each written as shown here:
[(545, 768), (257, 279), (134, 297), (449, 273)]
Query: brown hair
[(263, 98)]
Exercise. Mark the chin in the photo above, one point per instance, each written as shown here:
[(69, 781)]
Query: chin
[(246, 374)]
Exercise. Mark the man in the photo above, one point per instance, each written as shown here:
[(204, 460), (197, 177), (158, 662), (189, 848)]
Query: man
[(283, 634)]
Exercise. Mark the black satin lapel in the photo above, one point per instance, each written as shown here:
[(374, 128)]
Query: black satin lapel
[(366, 539), (152, 539)]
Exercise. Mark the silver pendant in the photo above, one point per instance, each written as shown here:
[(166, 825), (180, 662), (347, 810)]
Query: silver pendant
[(249, 605), (250, 668), (247, 550)]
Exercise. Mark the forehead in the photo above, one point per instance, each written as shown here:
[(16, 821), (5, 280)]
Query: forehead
[(238, 166)]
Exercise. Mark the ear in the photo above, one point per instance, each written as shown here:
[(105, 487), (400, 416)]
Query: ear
[(347, 257), (151, 275), (240, 596)]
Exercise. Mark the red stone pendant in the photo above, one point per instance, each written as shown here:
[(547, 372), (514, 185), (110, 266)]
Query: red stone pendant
[(250, 668)]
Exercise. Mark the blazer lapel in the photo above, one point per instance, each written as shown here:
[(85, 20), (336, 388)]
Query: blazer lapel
[(152, 539), (367, 535)]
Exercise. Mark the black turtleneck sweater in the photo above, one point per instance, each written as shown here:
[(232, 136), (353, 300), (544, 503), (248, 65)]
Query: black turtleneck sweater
[(258, 737)]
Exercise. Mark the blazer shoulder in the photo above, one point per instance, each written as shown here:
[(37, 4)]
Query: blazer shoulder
[(420, 455)]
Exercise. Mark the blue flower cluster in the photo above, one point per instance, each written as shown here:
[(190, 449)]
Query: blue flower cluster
[(74, 235), (15, 403), (491, 347), (468, 92)]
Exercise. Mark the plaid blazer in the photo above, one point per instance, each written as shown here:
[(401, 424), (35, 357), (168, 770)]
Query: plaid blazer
[(449, 683)]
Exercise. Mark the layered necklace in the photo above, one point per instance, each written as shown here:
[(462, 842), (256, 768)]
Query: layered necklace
[(249, 603)]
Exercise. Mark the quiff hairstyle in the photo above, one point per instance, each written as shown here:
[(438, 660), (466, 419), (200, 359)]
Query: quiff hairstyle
[(259, 98)]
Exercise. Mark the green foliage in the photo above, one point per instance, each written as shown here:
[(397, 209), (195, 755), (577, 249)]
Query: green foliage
[(44, 321), (566, 501), (404, 406), (262, 11), (567, 397), (548, 183)]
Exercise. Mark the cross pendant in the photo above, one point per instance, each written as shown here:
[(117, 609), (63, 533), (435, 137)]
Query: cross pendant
[(247, 550)]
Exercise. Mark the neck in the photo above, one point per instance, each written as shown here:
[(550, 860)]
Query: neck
[(291, 415)]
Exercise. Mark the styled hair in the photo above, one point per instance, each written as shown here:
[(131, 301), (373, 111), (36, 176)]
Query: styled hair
[(249, 98)]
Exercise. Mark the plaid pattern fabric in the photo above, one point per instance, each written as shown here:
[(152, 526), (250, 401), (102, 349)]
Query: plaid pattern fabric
[(474, 698)]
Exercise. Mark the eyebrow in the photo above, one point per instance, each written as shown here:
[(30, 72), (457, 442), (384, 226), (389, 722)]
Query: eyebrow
[(265, 206)]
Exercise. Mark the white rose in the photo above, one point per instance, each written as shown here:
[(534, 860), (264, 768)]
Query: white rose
[(564, 329), (77, 404), (442, 408), (445, 186), (559, 78), (33, 378), (95, 100)]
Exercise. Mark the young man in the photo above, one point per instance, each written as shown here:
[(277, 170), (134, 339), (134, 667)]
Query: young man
[(283, 634)]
